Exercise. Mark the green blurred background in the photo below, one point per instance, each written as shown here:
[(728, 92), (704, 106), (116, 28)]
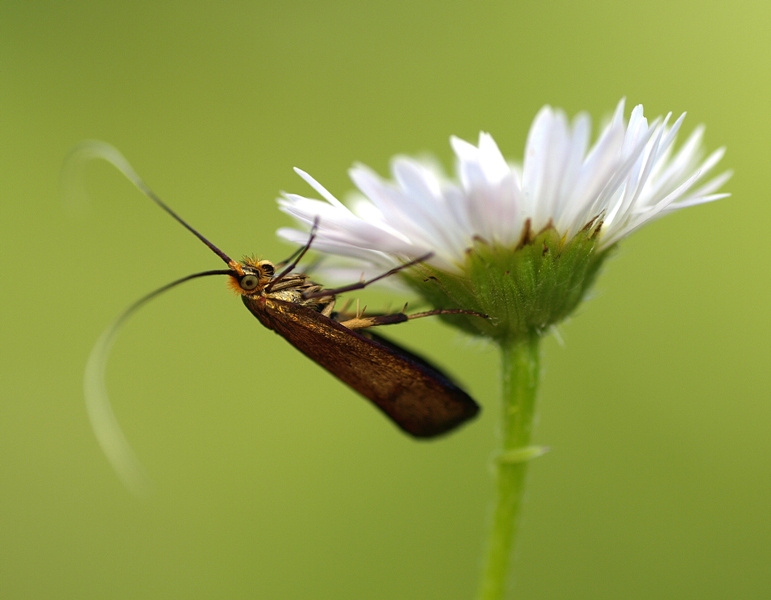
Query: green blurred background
[(272, 479)]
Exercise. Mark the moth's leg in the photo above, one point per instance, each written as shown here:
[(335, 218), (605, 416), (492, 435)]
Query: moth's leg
[(327, 310), (359, 321), (308, 269), (290, 258), (362, 284), (448, 311), (296, 257)]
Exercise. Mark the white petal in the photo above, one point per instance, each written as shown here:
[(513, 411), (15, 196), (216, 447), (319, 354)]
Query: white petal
[(628, 177), (319, 188)]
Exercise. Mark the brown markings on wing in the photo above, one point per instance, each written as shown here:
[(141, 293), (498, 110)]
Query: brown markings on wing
[(417, 396)]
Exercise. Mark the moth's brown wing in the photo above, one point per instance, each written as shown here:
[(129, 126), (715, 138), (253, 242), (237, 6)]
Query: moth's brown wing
[(417, 396), (384, 341)]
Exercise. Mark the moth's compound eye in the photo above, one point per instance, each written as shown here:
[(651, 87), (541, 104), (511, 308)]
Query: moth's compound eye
[(249, 282)]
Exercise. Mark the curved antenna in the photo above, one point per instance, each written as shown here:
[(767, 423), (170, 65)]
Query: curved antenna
[(103, 420), (91, 149)]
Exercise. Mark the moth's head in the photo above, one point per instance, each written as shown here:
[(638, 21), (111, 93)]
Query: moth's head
[(250, 276)]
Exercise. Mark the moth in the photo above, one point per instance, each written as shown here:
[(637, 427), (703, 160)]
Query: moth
[(416, 395), (413, 393)]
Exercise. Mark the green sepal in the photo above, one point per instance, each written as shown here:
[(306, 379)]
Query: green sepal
[(524, 290)]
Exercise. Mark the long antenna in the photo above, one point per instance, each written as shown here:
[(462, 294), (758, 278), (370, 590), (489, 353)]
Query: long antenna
[(103, 420), (91, 149)]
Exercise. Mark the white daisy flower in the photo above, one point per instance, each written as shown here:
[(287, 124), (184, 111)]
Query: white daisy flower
[(563, 193), (520, 244)]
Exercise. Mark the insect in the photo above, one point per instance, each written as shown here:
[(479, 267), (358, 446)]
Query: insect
[(416, 395), (413, 393)]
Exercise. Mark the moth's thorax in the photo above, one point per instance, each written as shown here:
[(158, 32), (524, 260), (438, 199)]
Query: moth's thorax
[(292, 287), (295, 288)]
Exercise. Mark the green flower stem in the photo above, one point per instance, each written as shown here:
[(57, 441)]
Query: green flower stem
[(519, 375)]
